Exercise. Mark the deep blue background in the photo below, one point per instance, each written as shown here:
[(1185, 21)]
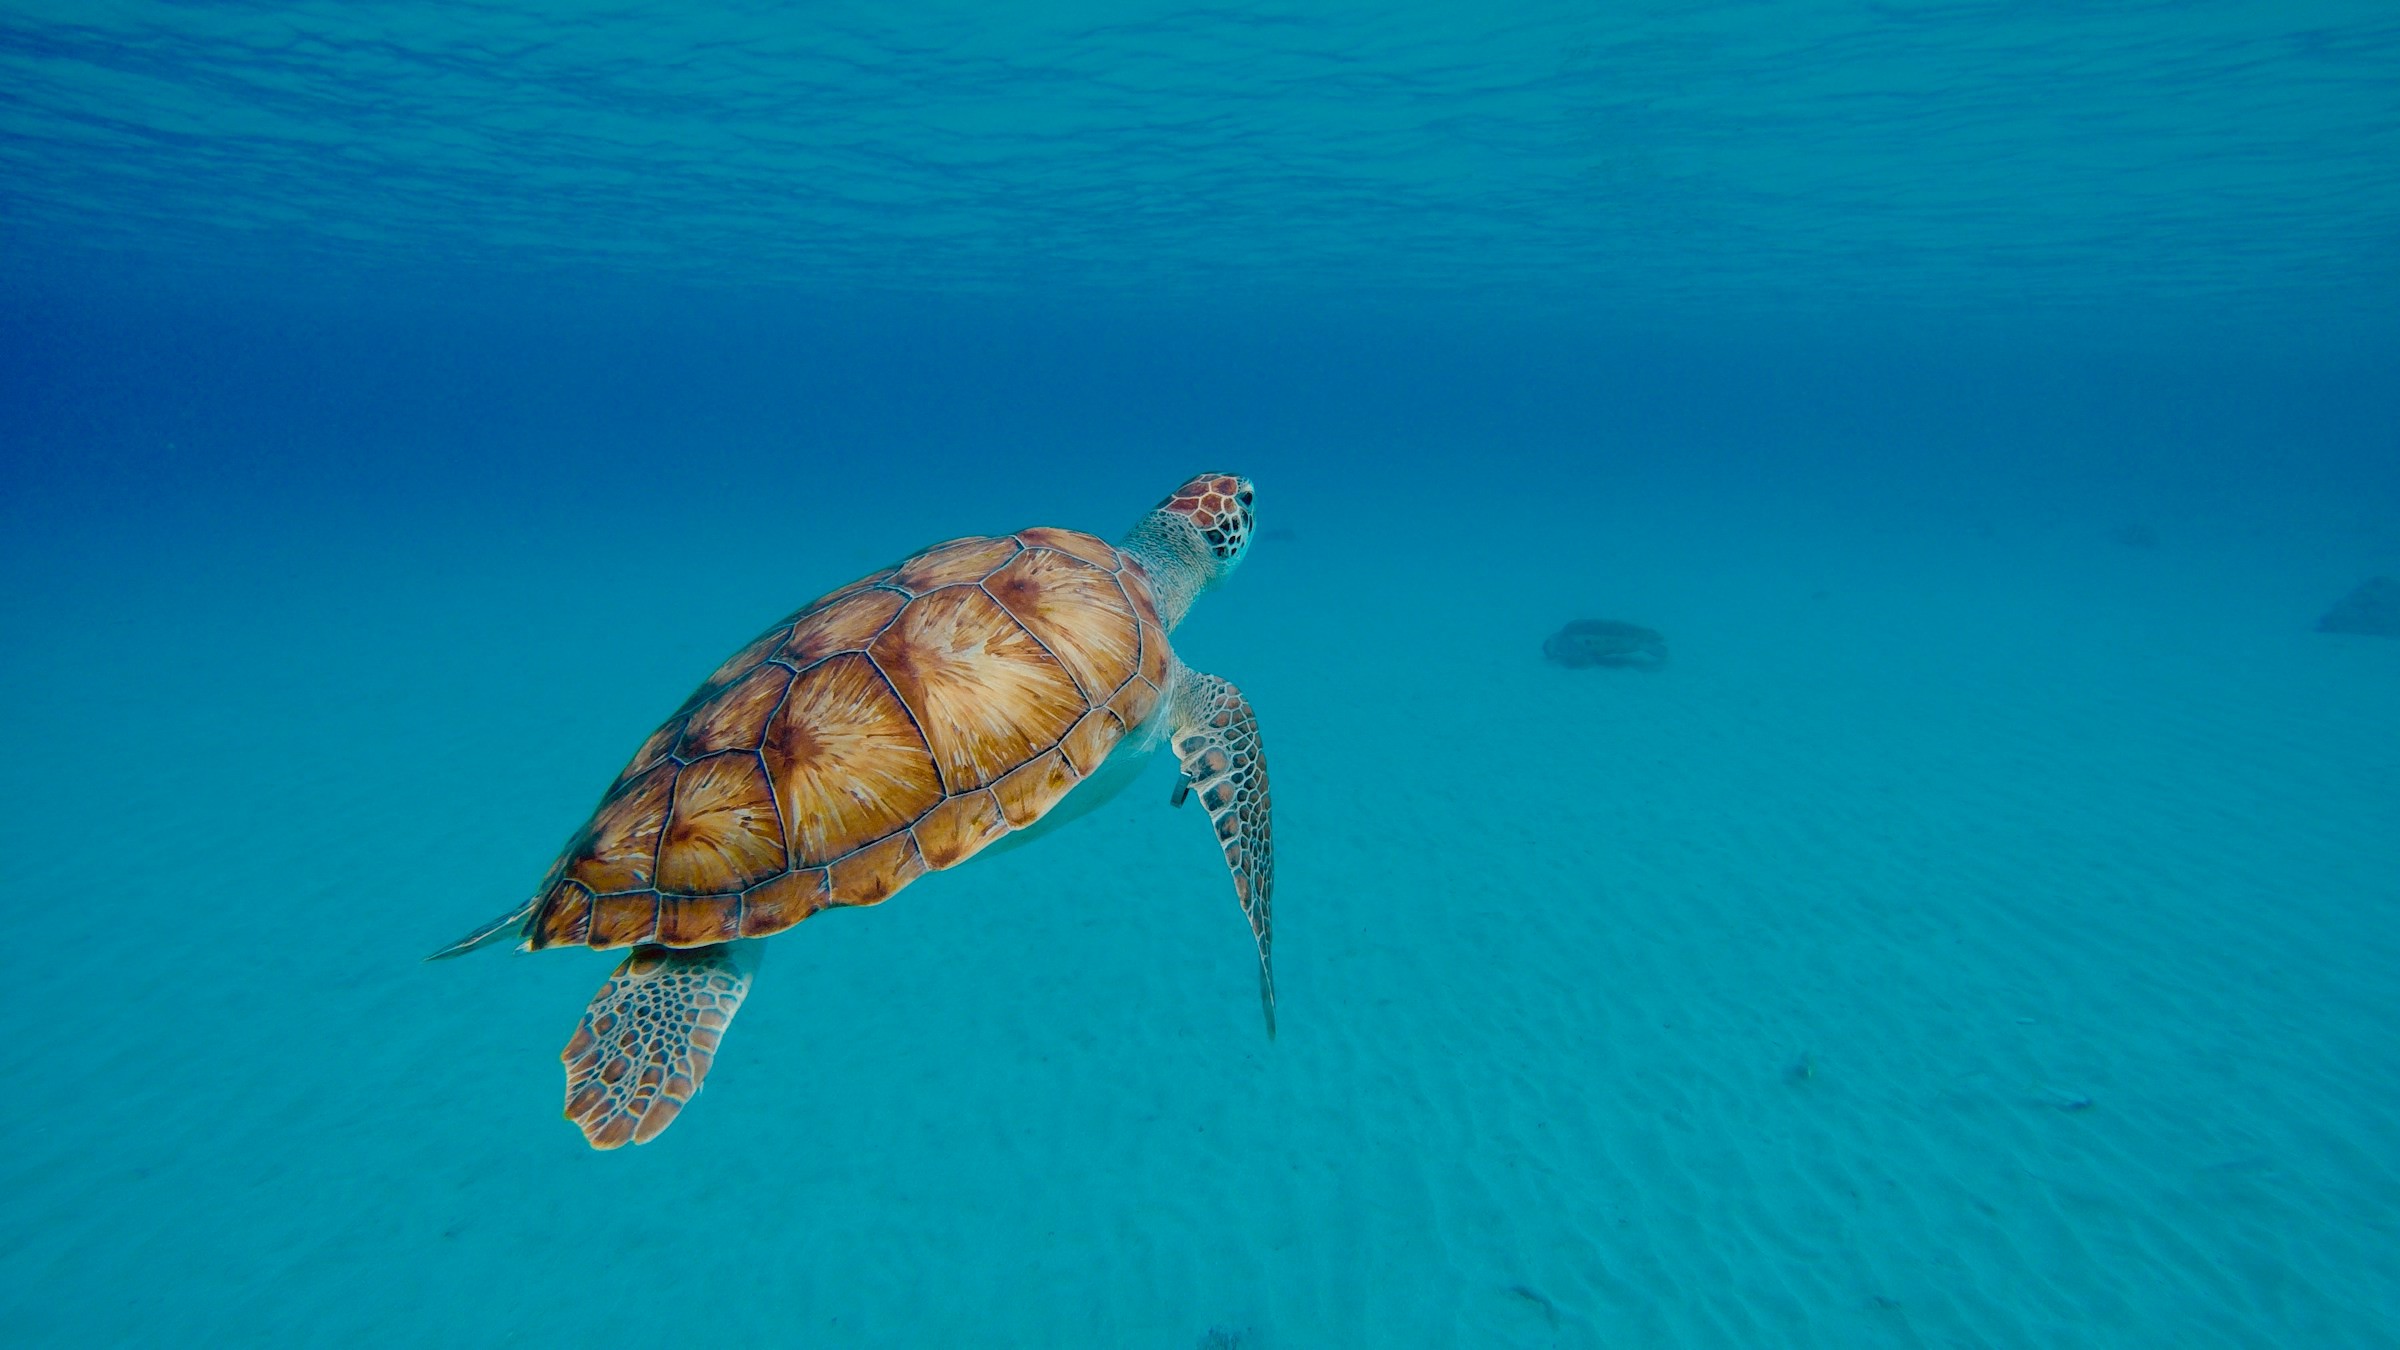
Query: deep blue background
[(500, 261)]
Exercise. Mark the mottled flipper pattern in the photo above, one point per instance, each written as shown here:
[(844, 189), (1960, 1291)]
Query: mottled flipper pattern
[(1216, 738), (649, 1036)]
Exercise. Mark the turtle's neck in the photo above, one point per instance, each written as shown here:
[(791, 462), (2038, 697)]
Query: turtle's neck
[(1178, 564)]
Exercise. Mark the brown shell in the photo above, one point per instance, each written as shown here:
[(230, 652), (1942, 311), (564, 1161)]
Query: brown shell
[(897, 725)]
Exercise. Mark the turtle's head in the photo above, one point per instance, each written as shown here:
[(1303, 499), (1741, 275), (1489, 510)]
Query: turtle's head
[(1194, 539), (1218, 506)]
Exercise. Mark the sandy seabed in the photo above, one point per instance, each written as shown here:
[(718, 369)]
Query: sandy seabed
[(1970, 938)]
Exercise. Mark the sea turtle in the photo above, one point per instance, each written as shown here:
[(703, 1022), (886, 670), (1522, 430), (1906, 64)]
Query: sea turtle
[(897, 725)]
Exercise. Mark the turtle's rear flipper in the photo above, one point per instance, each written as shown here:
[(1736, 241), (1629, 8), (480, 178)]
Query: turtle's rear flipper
[(1216, 738), (649, 1037)]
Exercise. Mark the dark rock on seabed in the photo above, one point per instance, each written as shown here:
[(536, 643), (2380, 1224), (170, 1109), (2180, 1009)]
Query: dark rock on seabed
[(1606, 642), (2373, 609)]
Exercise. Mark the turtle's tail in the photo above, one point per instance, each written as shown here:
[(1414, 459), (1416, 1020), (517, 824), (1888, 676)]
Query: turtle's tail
[(498, 930)]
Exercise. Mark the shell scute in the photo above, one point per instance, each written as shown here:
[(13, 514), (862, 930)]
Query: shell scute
[(698, 920), (723, 833), (987, 696), (1088, 744), (653, 751), (617, 849), (847, 763), (1076, 610), (776, 905), (870, 581), (622, 920), (959, 828), (1133, 704), (565, 917), (844, 625), (877, 872), (1034, 788), (740, 663), (1154, 653), (736, 716), (1137, 590), (1076, 543), (958, 562)]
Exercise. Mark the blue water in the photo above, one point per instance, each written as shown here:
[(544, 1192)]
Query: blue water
[(1983, 931)]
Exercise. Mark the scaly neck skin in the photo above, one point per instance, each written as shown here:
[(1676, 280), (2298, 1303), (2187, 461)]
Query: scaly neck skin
[(1176, 559)]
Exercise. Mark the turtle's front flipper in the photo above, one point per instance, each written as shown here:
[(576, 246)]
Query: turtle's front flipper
[(1216, 738), (649, 1037)]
